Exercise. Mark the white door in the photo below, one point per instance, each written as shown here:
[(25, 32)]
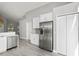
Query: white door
[(61, 35), (72, 34)]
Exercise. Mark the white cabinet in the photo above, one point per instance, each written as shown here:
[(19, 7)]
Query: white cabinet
[(36, 22), (14, 41), (61, 35), (72, 34), (28, 30), (35, 39), (11, 41), (3, 44), (46, 17), (66, 9), (67, 35)]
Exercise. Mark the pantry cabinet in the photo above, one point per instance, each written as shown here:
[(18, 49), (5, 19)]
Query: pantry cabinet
[(61, 35), (67, 34), (72, 34)]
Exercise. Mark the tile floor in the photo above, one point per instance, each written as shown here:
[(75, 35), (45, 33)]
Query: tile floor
[(27, 49)]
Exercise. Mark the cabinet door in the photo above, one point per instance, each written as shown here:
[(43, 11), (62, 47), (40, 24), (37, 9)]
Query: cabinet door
[(46, 17), (9, 42), (3, 44), (72, 34), (61, 35), (35, 39), (14, 41), (36, 22)]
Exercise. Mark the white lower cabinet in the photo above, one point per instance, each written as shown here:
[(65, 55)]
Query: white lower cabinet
[(67, 35), (11, 41), (14, 39), (35, 39), (3, 43)]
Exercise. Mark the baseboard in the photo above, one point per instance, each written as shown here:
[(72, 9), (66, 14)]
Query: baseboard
[(59, 53), (54, 51), (12, 48), (2, 50), (34, 44), (24, 39)]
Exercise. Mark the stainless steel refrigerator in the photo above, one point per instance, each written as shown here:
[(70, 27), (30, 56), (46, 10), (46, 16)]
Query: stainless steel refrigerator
[(46, 36)]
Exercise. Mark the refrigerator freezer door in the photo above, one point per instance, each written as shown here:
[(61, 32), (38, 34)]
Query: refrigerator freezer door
[(46, 39)]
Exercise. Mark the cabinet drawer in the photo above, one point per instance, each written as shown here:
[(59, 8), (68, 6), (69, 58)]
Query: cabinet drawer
[(9, 42), (14, 39)]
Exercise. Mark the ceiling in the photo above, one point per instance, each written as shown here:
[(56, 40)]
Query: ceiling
[(15, 10)]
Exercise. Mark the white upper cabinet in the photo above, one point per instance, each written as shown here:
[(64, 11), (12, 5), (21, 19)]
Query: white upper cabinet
[(46, 17), (36, 22), (66, 9)]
